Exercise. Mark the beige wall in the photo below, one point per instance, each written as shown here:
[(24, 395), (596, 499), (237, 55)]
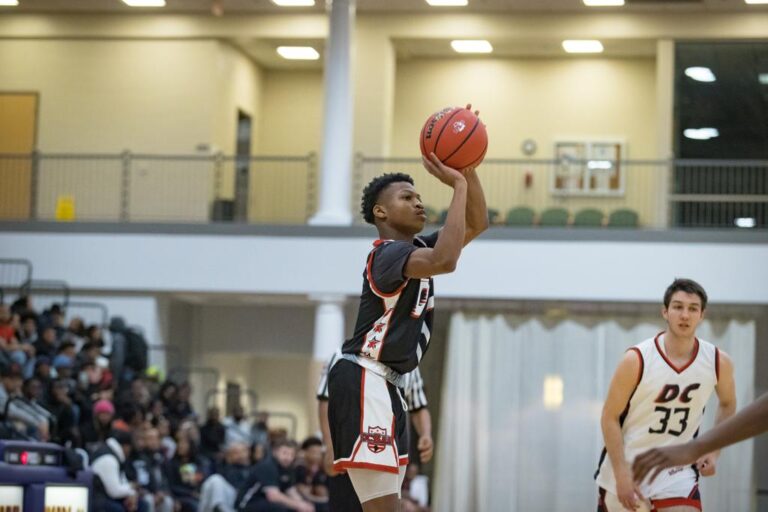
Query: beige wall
[(541, 99), (107, 96), (280, 382)]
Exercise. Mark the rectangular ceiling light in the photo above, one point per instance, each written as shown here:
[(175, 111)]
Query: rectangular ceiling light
[(144, 3), (447, 3), (756, 2), (298, 52), (294, 3), (763, 78), (582, 46), (9, 3), (603, 3), (701, 133), (471, 46)]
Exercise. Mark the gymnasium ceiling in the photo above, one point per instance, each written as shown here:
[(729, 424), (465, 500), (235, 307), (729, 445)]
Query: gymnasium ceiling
[(372, 6), (263, 52)]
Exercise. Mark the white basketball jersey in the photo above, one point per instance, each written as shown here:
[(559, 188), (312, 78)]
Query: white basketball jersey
[(666, 408)]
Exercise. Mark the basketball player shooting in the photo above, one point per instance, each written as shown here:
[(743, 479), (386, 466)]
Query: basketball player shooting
[(365, 409), (656, 399)]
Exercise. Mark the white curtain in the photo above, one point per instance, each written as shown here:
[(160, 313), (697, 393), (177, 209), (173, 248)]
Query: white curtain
[(501, 448)]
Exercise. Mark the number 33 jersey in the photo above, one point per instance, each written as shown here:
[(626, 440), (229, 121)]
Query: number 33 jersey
[(666, 408)]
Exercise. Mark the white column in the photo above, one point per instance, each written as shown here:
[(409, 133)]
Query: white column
[(665, 105), (329, 326), (336, 153)]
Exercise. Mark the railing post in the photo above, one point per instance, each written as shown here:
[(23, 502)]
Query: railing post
[(312, 190), (34, 184), (125, 186), (218, 162)]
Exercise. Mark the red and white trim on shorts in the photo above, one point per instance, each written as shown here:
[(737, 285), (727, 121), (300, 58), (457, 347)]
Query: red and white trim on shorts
[(690, 501)]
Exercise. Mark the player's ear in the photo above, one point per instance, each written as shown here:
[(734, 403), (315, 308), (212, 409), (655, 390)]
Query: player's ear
[(664, 312), (379, 212)]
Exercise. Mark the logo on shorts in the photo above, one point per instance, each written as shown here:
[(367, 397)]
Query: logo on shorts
[(459, 126), (376, 438)]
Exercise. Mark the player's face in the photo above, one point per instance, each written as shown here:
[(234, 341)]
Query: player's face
[(403, 207), (683, 314)]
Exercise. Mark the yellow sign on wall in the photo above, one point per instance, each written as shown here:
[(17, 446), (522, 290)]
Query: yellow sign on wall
[(65, 208)]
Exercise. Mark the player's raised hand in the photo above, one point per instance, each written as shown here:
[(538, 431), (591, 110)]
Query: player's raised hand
[(658, 459), (445, 174)]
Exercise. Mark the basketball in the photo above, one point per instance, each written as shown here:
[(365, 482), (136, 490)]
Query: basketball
[(457, 136)]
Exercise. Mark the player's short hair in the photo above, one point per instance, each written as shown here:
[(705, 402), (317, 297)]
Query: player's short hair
[(373, 189), (687, 286)]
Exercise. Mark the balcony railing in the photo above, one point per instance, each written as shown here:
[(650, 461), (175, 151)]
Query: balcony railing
[(129, 187)]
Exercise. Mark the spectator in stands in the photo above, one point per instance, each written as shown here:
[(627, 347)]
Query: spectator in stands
[(183, 408), (62, 408), (160, 487), (97, 430), (169, 397), (7, 331), (15, 408), (260, 431), (111, 490), (137, 394), (415, 490), (139, 471), (258, 453), (186, 472), (23, 306), (54, 317), (131, 417), (212, 434), (311, 479), (76, 332), (167, 442), (271, 485), (220, 490), (28, 331), (64, 366), (238, 427), (32, 390), (9, 342), (43, 371), (47, 343), (67, 348)]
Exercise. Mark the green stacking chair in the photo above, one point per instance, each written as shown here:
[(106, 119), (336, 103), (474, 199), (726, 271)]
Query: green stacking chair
[(623, 218), (554, 217), (520, 216), (588, 218)]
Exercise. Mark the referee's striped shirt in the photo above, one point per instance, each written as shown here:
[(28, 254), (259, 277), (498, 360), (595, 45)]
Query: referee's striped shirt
[(413, 389)]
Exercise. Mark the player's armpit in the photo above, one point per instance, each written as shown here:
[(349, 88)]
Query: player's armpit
[(425, 262)]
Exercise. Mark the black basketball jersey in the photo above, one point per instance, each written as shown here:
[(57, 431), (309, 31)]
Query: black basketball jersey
[(394, 321)]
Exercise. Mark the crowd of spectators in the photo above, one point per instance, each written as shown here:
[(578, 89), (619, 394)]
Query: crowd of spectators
[(144, 441)]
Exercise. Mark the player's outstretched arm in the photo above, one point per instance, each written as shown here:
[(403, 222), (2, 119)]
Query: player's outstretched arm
[(442, 259), (622, 386), (751, 421), (477, 211)]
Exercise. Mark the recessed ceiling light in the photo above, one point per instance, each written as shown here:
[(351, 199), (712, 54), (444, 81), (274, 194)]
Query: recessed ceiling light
[(471, 46), (294, 3), (447, 3), (756, 2), (298, 52), (763, 78), (603, 3), (701, 133), (700, 74), (9, 3), (582, 46), (144, 3), (745, 222)]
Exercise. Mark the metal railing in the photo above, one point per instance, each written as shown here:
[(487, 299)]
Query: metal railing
[(131, 187), (14, 275)]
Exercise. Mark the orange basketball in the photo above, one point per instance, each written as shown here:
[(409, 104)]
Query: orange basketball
[(457, 136)]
